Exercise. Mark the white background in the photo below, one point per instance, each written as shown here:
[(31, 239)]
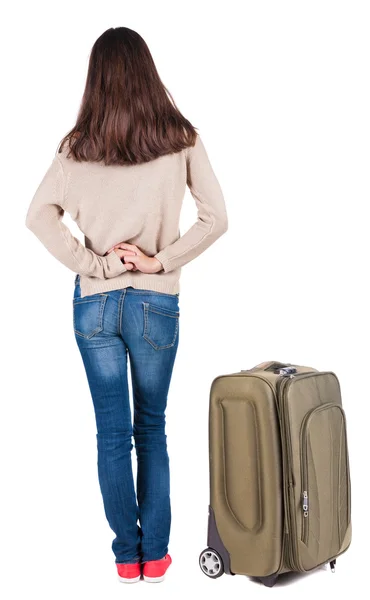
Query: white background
[(280, 93)]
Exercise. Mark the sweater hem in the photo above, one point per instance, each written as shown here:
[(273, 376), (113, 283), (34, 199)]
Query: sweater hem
[(88, 286)]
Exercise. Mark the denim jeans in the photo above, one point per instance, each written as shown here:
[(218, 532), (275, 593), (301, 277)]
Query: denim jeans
[(144, 326)]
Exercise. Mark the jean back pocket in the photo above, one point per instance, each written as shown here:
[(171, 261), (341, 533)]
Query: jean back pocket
[(88, 315), (161, 326)]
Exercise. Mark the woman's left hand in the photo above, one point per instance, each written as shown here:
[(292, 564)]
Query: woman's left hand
[(141, 262)]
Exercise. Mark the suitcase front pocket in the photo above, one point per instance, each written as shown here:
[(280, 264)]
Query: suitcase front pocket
[(325, 493)]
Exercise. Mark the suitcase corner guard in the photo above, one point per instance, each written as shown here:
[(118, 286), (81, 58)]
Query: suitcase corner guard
[(214, 541)]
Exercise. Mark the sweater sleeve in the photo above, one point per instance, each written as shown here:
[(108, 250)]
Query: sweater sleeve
[(212, 219), (44, 219)]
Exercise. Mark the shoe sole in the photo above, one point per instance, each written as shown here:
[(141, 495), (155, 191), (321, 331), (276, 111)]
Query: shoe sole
[(153, 579), (129, 579)]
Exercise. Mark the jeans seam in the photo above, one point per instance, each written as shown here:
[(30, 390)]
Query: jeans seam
[(145, 318), (120, 310)]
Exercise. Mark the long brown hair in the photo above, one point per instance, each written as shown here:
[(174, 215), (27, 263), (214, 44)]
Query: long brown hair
[(127, 115)]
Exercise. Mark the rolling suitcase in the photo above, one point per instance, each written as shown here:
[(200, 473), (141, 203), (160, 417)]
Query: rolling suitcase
[(280, 491)]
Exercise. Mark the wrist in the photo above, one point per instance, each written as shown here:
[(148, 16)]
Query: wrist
[(113, 265), (158, 264)]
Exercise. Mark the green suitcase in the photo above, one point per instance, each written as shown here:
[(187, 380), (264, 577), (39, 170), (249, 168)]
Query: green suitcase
[(280, 491)]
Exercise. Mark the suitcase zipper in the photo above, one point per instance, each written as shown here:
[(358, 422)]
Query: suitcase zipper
[(305, 522), (289, 482), (304, 480), (293, 549)]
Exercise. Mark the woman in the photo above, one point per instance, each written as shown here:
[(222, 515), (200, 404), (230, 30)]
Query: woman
[(121, 173)]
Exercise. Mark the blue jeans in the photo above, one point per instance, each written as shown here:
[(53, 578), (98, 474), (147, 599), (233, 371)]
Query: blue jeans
[(143, 325)]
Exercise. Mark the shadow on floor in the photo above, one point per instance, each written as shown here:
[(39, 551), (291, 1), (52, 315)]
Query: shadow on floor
[(290, 578)]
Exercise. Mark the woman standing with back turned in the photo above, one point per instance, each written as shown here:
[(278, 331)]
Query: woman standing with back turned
[(121, 173)]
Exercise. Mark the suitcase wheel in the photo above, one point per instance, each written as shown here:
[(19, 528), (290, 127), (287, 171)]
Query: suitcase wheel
[(211, 563)]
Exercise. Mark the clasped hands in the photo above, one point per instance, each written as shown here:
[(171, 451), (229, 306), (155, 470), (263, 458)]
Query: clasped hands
[(134, 259)]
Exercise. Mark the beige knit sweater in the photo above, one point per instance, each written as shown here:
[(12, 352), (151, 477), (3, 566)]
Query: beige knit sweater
[(138, 204)]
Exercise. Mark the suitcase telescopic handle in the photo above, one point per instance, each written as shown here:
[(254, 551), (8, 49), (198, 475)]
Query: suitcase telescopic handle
[(271, 365)]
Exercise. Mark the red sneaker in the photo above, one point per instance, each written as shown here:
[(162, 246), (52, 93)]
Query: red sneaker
[(129, 573), (155, 570)]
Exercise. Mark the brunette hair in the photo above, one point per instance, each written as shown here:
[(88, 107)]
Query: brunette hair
[(127, 115)]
